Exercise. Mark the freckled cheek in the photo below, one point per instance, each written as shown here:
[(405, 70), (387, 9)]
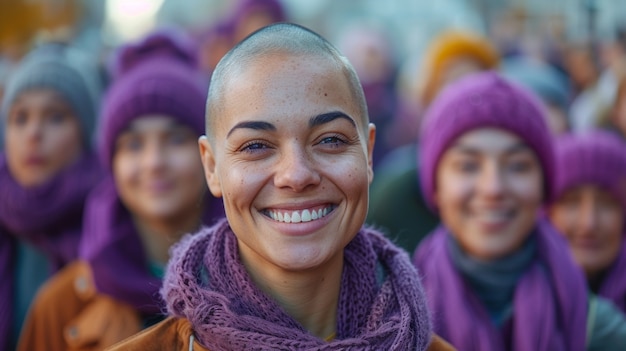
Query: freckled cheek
[(351, 178), (242, 184)]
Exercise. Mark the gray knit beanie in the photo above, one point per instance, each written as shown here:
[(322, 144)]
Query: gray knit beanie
[(65, 70)]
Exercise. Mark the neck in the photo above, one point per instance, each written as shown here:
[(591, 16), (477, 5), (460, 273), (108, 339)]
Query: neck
[(310, 297), (157, 235), (595, 279)]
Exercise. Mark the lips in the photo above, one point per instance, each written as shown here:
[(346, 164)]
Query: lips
[(493, 220), (34, 160), (299, 215)]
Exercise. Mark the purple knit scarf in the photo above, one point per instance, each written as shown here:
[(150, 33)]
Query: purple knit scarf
[(48, 217), (549, 303), (115, 252), (613, 286), (207, 284)]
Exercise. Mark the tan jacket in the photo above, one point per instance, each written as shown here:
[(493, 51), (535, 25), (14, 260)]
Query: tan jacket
[(177, 334), (69, 314)]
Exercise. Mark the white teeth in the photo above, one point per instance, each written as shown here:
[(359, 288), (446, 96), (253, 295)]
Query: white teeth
[(494, 216), (306, 216), (297, 216)]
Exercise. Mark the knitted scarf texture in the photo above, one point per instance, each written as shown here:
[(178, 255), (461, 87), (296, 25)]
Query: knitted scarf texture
[(207, 284), (48, 217), (549, 303), (115, 253), (613, 286)]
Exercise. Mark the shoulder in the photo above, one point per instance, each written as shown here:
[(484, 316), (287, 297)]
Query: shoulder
[(68, 312), (439, 344), (170, 334), (72, 284)]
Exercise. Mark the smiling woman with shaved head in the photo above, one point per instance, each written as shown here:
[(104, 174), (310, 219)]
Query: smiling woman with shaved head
[(289, 149)]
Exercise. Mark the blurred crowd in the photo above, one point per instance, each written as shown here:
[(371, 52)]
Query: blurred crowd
[(75, 154)]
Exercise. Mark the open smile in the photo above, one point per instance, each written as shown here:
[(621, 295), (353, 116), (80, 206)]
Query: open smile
[(298, 216)]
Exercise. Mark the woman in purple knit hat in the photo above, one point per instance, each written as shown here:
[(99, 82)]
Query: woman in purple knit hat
[(46, 171), (288, 147), (154, 194), (589, 208), (497, 276)]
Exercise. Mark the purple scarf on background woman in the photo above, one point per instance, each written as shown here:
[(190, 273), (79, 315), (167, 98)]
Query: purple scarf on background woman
[(207, 284), (613, 285), (115, 252), (549, 303), (48, 217)]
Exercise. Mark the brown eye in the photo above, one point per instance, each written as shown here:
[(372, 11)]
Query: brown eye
[(254, 146), (19, 118)]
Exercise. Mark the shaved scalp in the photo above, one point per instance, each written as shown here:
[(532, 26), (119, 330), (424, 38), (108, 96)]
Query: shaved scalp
[(283, 38)]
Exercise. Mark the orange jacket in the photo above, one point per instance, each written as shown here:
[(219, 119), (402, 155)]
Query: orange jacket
[(177, 334), (69, 314)]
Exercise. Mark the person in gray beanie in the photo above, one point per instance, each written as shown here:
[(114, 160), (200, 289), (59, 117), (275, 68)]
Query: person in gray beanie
[(47, 168), (64, 69)]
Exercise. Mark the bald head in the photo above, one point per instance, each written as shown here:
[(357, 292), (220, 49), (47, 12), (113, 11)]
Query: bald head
[(279, 40)]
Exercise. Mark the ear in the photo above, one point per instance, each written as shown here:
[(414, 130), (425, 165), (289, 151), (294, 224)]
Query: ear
[(208, 163), (371, 140)]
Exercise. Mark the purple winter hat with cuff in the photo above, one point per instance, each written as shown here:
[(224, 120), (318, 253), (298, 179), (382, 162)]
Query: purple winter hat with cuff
[(155, 76), (483, 100), (596, 158)]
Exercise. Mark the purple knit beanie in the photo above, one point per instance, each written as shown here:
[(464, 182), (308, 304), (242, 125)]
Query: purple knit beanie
[(597, 158), (483, 100), (157, 75)]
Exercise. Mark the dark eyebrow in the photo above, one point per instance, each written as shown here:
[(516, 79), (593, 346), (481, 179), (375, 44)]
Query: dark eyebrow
[(329, 117), (256, 125)]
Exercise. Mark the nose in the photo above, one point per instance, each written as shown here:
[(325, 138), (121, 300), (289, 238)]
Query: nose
[(154, 157), (491, 182), (587, 216), (34, 130), (296, 170)]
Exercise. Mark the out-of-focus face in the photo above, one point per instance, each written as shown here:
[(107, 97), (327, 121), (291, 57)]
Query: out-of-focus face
[(458, 68), (581, 68), (157, 169), (42, 136), (592, 220), (292, 159), (252, 21), (556, 119), (489, 187), (619, 114)]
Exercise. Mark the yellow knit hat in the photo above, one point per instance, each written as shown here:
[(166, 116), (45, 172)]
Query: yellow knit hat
[(450, 45)]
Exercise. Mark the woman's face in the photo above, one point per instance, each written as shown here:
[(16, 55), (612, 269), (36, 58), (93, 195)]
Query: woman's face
[(488, 190), (291, 157), (592, 220), (43, 136), (157, 169)]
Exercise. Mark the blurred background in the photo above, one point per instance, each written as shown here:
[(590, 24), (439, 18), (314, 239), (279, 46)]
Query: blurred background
[(387, 41)]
